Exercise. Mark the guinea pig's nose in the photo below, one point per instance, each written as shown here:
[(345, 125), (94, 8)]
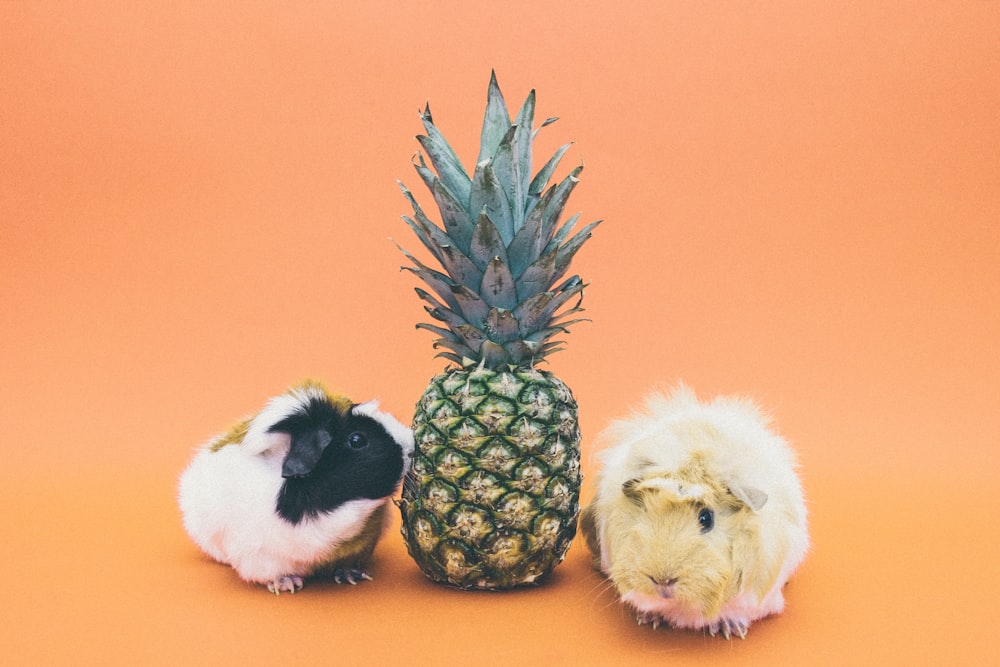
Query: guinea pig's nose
[(665, 588)]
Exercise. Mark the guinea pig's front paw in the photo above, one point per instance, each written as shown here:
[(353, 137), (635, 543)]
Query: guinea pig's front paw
[(350, 575), (650, 618), (729, 627), (285, 585)]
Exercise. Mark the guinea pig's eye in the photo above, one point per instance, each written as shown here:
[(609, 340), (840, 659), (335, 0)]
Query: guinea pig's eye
[(706, 519), (357, 440)]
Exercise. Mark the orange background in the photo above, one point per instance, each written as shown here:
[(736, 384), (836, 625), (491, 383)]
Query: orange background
[(802, 203)]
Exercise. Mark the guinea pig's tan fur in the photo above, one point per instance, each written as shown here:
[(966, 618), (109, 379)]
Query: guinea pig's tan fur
[(664, 471)]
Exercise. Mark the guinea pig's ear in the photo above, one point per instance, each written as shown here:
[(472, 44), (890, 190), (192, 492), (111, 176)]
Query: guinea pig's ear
[(633, 490), (305, 452), (751, 497), (638, 490)]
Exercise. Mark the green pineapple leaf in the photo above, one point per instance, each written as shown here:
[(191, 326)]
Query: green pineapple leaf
[(564, 255), (453, 213), (458, 266), (560, 236), (492, 354), (501, 325), (471, 305), (529, 240), (541, 180), (554, 209), (456, 219), (522, 140), (446, 163), (496, 122), (488, 196), (531, 311), (538, 277), (506, 166), (486, 242), (545, 123), (438, 282), (551, 307), (498, 288)]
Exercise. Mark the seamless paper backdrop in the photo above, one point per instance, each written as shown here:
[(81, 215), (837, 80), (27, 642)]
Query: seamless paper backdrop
[(801, 203)]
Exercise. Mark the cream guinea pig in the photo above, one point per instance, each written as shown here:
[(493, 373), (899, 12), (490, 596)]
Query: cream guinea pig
[(698, 517), (298, 490)]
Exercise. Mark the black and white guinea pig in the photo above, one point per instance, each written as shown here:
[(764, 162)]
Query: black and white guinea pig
[(298, 490)]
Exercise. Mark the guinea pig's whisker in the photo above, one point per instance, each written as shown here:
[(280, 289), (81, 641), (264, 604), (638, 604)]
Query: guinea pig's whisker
[(601, 589)]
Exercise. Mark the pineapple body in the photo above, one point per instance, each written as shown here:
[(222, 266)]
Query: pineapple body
[(493, 496)]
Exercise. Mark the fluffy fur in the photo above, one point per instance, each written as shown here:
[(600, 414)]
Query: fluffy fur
[(229, 494), (669, 473)]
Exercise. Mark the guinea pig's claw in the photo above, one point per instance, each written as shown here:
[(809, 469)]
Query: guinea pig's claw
[(286, 585), (729, 627), (646, 617), (350, 576)]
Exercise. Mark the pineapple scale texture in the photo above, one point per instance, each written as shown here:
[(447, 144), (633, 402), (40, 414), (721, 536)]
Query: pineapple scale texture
[(493, 496), (492, 499)]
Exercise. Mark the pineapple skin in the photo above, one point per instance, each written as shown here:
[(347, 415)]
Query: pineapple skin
[(492, 499)]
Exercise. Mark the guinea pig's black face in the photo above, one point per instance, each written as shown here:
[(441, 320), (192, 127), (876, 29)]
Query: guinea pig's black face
[(335, 458)]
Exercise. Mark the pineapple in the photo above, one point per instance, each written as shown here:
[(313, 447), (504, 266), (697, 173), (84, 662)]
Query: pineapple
[(492, 499)]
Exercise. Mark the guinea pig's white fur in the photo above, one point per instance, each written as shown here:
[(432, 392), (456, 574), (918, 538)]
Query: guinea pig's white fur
[(660, 468), (227, 497)]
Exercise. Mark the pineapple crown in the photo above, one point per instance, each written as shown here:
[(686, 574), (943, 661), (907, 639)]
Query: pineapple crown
[(502, 295)]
